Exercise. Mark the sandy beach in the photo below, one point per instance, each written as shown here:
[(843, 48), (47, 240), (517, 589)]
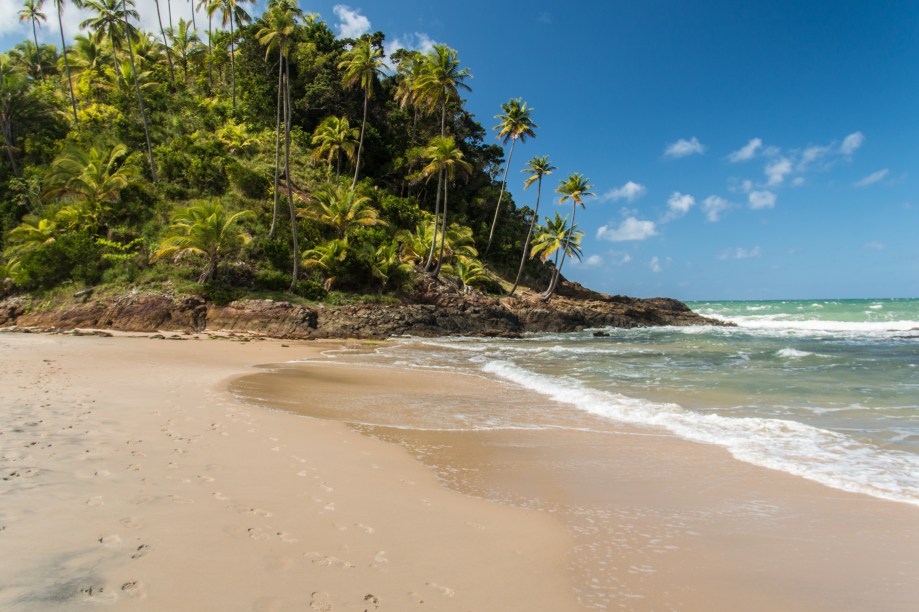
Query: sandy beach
[(157, 474)]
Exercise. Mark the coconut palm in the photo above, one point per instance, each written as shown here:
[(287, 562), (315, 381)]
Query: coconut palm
[(538, 167), (233, 14), (29, 235), (207, 229), (159, 18), (515, 124), (342, 209), (444, 158), (31, 11), (205, 5), (59, 4), (329, 257), (575, 188), (186, 45), (556, 239), (469, 272), (140, 99), (361, 63), (109, 22), (333, 137)]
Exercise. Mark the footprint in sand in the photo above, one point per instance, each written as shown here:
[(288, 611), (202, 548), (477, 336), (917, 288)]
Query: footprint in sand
[(110, 540), (326, 488), (286, 537), (97, 592), (131, 522), (219, 496), (380, 559), (445, 591), (321, 602), (327, 560), (95, 501), (253, 511), (141, 551), (257, 534), (134, 589)]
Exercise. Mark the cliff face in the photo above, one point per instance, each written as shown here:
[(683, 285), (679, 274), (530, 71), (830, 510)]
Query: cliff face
[(435, 308)]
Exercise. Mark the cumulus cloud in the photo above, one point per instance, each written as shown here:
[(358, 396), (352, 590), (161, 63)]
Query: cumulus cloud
[(812, 154), (9, 18), (777, 170), (748, 151), (630, 192), (714, 206), (851, 142), (351, 24), (410, 42), (740, 253), (678, 204), (655, 264), (630, 229), (682, 148), (591, 262), (762, 199), (872, 178)]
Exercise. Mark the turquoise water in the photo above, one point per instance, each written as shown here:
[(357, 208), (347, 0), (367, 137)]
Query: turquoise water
[(827, 390)]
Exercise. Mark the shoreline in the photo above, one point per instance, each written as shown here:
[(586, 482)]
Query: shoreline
[(158, 488)]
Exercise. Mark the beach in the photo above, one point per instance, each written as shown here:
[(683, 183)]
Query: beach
[(203, 473)]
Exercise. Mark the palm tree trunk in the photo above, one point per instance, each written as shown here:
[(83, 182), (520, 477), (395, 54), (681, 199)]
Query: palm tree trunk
[(429, 263), (111, 37), (194, 23), (526, 243), (360, 146), (277, 149), (73, 100), (443, 232), (210, 53), (558, 270), (169, 6), (37, 51), (233, 59), (140, 99), (494, 222), (172, 74), (290, 196), (8, 145)]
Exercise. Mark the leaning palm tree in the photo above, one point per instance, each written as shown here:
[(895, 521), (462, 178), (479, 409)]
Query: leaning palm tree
[(140, 99), (342, 209), (537, 168), (575, 188), (205, 229), (361, 63), (59, 4), (31, 11), (111, 16), (333, 137), (556, 239), (444, 159), (515, 124)]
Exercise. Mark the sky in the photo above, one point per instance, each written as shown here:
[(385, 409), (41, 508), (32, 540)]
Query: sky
[(737, 150)]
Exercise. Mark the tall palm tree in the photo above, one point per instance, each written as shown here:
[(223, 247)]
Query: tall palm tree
[(111, 15), (210, 7), (333, 137), (515, 124), (205, 229), (556, 238), (159, 18), (140, 99), (575, 188), (186, 45), (31, 11), (444, 158), (538, 167), (341, 208), (59, 4), (361, 63), (233, 14)]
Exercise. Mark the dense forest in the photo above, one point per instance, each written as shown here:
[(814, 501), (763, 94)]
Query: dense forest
[(260, 155)]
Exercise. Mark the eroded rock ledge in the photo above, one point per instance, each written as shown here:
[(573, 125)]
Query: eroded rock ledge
[(435, 308)]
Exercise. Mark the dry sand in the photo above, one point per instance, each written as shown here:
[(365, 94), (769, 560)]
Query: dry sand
[(131, 477)]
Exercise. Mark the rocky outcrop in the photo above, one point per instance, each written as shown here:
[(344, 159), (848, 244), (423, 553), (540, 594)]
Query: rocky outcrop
[(435, 308)]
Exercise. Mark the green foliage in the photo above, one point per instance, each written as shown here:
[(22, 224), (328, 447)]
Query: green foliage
[(74, 257)]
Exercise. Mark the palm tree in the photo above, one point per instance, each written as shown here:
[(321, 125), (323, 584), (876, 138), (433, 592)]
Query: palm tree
[(159, 17), (342, 209), (445, 158), (205, 228), (186, 43), (537, 167), (140, 99), (59, 4), (32, 12), (575, 187), (280, 24), (29, 235), (361, 63), (233, 14), (210, 7), (333, 137), (515, 123), (556, 238), (110, 16)]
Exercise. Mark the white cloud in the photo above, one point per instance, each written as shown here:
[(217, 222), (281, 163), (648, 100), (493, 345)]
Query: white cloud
[(851, 142), (655, 264), (682, 148), (812, 154), (351, 23), (591, 262), (714, 206), (777, 170), (741, 253), (872, 178), (631, 191), (875, 246), (630, 229), (762, 199), (620, 259), (411, 42), (678, 204), (748, 151)]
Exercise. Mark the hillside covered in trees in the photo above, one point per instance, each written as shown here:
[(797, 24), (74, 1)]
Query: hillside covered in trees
[(258, 154)]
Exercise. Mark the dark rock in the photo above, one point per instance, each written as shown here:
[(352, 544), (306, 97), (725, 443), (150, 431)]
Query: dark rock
[(601, 334)]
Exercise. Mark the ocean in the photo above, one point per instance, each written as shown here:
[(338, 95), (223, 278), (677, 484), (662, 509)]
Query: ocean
[(823, 389)]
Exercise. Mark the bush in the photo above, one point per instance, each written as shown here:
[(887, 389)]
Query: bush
[(71, 257), (311, 290), (250, 184)]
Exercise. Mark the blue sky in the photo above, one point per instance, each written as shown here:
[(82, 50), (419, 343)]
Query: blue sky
[(738, 150)]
